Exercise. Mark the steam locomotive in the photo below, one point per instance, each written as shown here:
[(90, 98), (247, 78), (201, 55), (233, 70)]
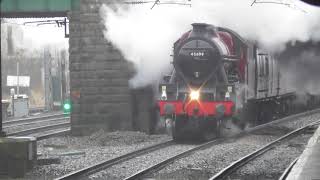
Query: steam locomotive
[(219, 77)]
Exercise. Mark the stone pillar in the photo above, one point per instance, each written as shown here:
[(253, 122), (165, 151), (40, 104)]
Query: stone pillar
[(98, 75)]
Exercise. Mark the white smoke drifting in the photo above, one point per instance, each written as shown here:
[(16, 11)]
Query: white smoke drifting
[(146, 36), (302, 72)]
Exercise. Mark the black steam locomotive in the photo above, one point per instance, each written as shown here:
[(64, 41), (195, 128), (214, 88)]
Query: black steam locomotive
[(218, 77)]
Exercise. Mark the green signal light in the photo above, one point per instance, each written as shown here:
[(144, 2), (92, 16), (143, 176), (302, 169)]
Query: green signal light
[(67, 107)]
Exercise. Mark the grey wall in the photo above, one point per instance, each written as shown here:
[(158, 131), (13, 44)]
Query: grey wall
[(98, 73)]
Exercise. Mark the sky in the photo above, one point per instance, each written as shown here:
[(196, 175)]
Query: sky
[(35, 37)]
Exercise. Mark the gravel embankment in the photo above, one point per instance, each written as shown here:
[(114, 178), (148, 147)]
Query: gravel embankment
[(79, 152), (203, 164)]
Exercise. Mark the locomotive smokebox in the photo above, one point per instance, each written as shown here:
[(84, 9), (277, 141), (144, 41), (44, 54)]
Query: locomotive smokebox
[(197, 56)]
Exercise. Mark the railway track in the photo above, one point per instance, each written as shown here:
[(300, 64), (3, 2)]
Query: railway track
[(106, 165), (229, 170), (155, 168), (288, 169), (158, 166), (41, 127), (31, 120), (38, 131)]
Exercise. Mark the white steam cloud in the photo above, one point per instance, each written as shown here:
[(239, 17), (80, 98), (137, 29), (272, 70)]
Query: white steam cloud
[(146, 36), (302, 72)]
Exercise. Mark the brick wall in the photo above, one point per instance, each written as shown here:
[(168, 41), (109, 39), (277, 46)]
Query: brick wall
[(98, 75)]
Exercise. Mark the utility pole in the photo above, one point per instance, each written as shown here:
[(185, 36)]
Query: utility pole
[(63, 75), (47, 79), (45, 70), (18, 73), (2, 133)]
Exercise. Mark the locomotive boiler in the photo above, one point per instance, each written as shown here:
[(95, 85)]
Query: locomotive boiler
[(219, 77)]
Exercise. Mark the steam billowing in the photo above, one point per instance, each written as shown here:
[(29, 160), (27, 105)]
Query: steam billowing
[(146, 36), (302, 70)]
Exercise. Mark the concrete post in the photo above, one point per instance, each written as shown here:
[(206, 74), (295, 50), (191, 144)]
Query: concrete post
[(4, 106), (2, 133)]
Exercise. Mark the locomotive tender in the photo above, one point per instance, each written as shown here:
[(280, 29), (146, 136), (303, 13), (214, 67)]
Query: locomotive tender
[(217, 77)]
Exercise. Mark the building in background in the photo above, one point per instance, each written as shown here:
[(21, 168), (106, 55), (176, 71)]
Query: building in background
[(46, 66)]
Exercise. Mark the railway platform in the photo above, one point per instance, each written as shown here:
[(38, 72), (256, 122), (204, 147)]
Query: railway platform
[(308, 165)]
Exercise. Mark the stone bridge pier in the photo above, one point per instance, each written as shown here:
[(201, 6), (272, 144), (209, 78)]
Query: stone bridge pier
[(99, 74)]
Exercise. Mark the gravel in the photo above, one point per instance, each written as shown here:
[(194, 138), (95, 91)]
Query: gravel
[(303, 121), (203, 164), (79, 152)]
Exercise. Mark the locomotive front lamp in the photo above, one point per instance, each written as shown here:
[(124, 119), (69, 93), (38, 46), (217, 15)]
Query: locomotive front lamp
[(227, 96), (164, 93), (194, 95)]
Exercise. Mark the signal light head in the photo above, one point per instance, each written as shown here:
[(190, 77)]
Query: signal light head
[(67, 107)]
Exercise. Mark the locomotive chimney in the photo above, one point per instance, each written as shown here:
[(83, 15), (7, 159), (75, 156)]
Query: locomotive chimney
[(199, 27), (202, 29)]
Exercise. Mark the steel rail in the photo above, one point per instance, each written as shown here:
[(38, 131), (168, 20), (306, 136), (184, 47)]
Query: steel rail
[(52, 134), (160, 165), (244, 160), (36, 121), (288, 169), (39, 129), (32, 119), (108, 163)]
